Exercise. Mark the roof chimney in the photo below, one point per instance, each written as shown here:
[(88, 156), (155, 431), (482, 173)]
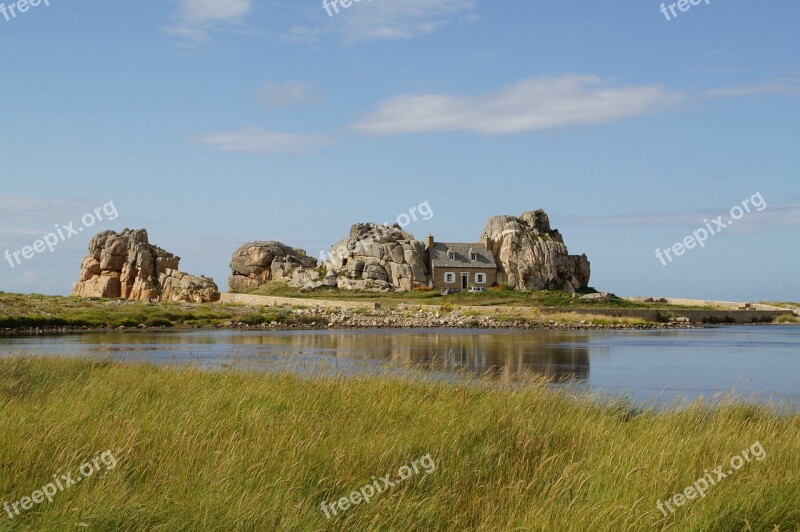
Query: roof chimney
[(428, 242)]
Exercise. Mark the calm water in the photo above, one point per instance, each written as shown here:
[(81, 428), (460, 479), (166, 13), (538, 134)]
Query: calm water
[(758, 363)]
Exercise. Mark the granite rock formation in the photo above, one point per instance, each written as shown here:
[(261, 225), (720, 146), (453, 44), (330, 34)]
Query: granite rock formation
[(257, 263), (126, 265), (532, 256), (377, 257)]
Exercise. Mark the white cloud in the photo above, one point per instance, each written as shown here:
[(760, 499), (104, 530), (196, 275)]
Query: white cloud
[(783, 215), (195, 18), (766, 89), (531, 105), (256, 140), (369, 20), (286, 94), (42, 209)]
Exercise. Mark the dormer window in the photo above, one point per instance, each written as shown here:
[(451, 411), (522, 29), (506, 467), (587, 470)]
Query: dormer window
[(451, 255), (473, 256)]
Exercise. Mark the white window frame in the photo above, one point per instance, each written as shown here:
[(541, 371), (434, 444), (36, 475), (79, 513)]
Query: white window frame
[(450, 277), (473, 257), (480, 278), (451, 255)]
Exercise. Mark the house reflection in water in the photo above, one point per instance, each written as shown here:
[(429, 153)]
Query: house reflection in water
[(504, 355)]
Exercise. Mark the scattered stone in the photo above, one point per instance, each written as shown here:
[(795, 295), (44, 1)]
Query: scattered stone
[(599, 296)]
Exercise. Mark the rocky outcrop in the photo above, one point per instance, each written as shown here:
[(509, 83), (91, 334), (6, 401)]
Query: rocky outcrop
[(377, 257), (257, 263), (532, 256), (126, 265)]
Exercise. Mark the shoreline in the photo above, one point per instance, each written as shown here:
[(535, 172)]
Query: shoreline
[(37, 315), (70, 330)]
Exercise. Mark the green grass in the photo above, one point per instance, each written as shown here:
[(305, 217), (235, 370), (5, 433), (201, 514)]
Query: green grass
[(543, 298), (23, 310), (237, 451)]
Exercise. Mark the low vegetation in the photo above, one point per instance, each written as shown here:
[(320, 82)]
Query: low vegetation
[(543, 317), (502, 295), (19, 311), (236, 451)]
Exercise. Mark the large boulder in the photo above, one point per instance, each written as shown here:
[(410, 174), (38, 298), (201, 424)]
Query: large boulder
[(532, 256), (257, 263), (378, 257), (126, 265)]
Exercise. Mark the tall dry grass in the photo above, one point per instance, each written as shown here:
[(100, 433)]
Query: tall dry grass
[(239, 451)]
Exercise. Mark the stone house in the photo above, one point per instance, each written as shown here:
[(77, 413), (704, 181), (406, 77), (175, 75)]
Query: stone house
[(460, 265)]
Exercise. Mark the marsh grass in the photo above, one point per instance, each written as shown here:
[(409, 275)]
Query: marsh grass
[(244, 451)]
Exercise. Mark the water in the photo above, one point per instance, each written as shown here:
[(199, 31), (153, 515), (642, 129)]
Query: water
[(759, 363)]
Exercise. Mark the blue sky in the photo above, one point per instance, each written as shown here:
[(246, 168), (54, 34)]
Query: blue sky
[(213, 123)]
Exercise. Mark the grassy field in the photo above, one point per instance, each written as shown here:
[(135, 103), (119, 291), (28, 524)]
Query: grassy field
[(237, 451), (33, 310), (494, 296), (21, 311)]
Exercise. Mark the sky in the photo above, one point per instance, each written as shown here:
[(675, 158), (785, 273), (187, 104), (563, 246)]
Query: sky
[(212, 123)]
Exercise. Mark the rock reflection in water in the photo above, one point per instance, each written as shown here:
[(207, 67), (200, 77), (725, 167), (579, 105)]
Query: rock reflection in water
[(502, 355)]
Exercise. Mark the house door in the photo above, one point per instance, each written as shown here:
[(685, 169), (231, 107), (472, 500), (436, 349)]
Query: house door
[(464, 280)]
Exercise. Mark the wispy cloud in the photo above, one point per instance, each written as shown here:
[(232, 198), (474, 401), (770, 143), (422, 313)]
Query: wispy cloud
[(195, 18), (778, 88), (531, 105), (369, 20), (277, 95), (783, 215), (41, 209), (27, 218), (256, 140)]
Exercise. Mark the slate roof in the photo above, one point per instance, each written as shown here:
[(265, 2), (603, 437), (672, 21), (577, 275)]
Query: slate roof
[(440, 258)]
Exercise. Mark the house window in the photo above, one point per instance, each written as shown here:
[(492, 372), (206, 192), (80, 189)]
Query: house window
[(473, 256), (480, 278), (451, 256), (450, 278)]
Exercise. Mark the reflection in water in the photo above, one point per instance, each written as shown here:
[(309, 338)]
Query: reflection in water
[(643, 365), (503, 355)]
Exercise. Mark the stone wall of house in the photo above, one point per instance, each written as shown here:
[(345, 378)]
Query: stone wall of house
[(439, 273)]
